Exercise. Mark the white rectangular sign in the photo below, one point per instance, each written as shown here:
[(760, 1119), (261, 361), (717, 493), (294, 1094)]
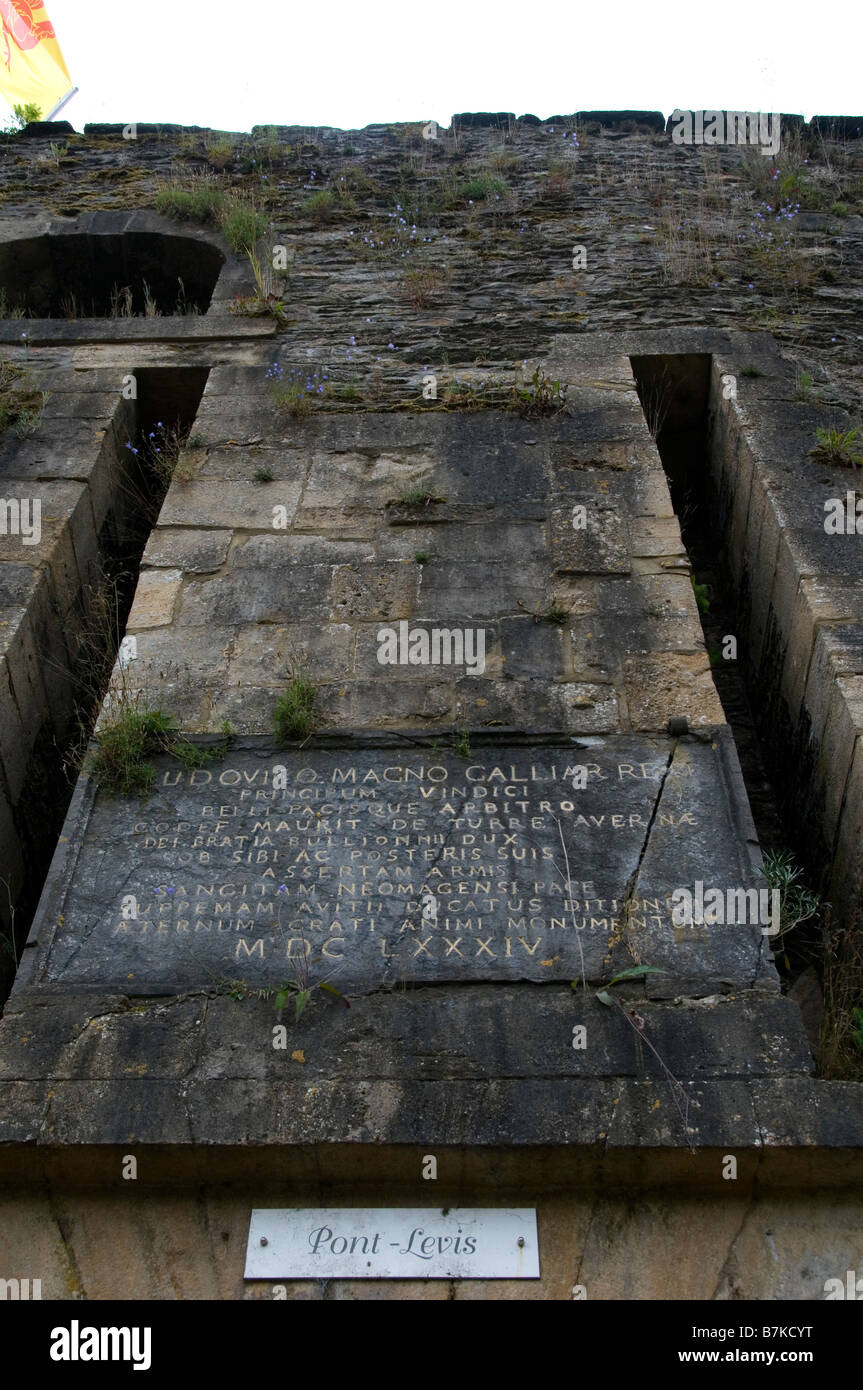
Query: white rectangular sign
[(393, 1243)]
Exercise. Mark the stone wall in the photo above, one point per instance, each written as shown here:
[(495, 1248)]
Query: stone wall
[(288, 538)]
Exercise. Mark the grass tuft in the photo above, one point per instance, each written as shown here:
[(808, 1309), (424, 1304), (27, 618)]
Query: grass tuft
[(294, 714), (120, 762), (837, 447)]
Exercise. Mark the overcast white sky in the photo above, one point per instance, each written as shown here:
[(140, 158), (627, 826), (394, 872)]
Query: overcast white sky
[(233, 65)]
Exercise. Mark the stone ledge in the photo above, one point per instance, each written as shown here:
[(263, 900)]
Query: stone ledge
[(590, 1129), (447, 1032), (200, 328)]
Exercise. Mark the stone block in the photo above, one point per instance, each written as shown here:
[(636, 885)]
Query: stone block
[(659, 687), (155, 599), (534, 650), (480, 589), (601, 547), (654, 536), (193, 552), (243, 506), (267, 654), (361, 592)]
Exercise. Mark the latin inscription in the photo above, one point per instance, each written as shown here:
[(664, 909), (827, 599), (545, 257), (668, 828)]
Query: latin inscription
[(381, 867)]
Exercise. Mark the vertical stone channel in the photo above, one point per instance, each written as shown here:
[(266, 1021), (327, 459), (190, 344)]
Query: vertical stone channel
[(674, 394), (723, 487), (63, 622)]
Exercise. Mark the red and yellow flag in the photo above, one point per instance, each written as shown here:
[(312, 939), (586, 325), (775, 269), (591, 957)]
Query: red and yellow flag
[(31, 64)]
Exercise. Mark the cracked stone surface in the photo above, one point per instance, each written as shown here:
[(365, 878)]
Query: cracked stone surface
[(147, 1031), (407, 865)]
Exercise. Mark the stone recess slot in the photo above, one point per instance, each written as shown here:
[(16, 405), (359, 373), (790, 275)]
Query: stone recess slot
[(79, 274), (675, 394), (58, 653), (169, 394), (750, 502)]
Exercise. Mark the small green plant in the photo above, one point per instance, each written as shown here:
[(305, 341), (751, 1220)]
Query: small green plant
[(797, 903), (182, 305), (196, 441), (191, 755), (237, 990), (201, 200), (297, 393), (220, 152), (504, 161), (461, 744), (269, 147), (555, 614), (346, 391), (422, 556), (415, 498), (292, 398), (151, 308), (840, 209), (294, 714), (804, 388), (302, 994), (857, 1034), (418, 285), (159, 449), (634, 972), (241, 225), (321, 205), (702, 598), (834, 446), (21, 404), (265, 280), (267, 298), (300, 987), (263, 474), (478, 189), (124, 745), (24, 419), (751, 370), (539, 396)]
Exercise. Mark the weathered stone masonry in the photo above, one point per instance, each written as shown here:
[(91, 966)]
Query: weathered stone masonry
[(98, 1058)]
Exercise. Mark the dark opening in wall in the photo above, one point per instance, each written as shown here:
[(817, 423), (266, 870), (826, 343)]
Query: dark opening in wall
[(76, 653), (720, 487), (674, 393), (168, 401), (88, 275)]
